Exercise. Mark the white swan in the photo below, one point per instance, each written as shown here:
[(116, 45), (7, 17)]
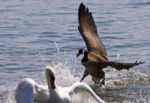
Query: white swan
[(28, 91)]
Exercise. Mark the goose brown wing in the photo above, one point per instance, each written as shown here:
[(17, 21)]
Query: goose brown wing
[(88, 30), (120, 66)]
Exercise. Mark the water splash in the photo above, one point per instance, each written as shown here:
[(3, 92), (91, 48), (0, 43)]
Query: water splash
[(66, 75), (7, 93), (118, 55), (57, 47)]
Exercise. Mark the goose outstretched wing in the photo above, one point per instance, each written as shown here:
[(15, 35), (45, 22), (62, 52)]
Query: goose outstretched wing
[(88, 31), (121, 65)]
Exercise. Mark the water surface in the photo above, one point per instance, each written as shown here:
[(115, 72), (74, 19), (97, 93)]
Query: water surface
[(34, 34)]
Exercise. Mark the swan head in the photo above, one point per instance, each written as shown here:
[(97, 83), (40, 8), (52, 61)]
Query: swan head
[(50, 75), (80, 51)]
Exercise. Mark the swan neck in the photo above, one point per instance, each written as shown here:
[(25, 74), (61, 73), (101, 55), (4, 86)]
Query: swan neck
[(51, 85)]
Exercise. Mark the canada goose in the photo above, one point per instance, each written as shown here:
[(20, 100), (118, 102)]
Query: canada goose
[(95, 57), (28, 91)]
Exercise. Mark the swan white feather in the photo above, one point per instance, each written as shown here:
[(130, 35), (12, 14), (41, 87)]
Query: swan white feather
[(29, 91), (25, 92)]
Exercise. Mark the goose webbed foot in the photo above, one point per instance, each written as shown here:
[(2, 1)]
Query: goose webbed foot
[(98, 81), (84, 75), (103, 81), (98, 87)]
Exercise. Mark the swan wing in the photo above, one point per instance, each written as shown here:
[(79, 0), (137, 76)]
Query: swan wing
[(84, 90), (25, 91), (88, 31)]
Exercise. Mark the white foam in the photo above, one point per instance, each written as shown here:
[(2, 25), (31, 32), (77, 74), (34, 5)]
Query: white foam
[(66, 75)]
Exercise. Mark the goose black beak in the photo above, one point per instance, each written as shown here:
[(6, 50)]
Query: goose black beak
[(77, 54), (80, 51)]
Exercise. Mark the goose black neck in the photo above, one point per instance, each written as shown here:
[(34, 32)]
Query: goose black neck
[(85, 57)]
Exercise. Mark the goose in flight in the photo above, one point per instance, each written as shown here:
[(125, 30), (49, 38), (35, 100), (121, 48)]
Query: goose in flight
[(28, 91), (95, 57)]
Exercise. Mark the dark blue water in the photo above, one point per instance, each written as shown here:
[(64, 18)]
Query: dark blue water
[(36, 33)]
